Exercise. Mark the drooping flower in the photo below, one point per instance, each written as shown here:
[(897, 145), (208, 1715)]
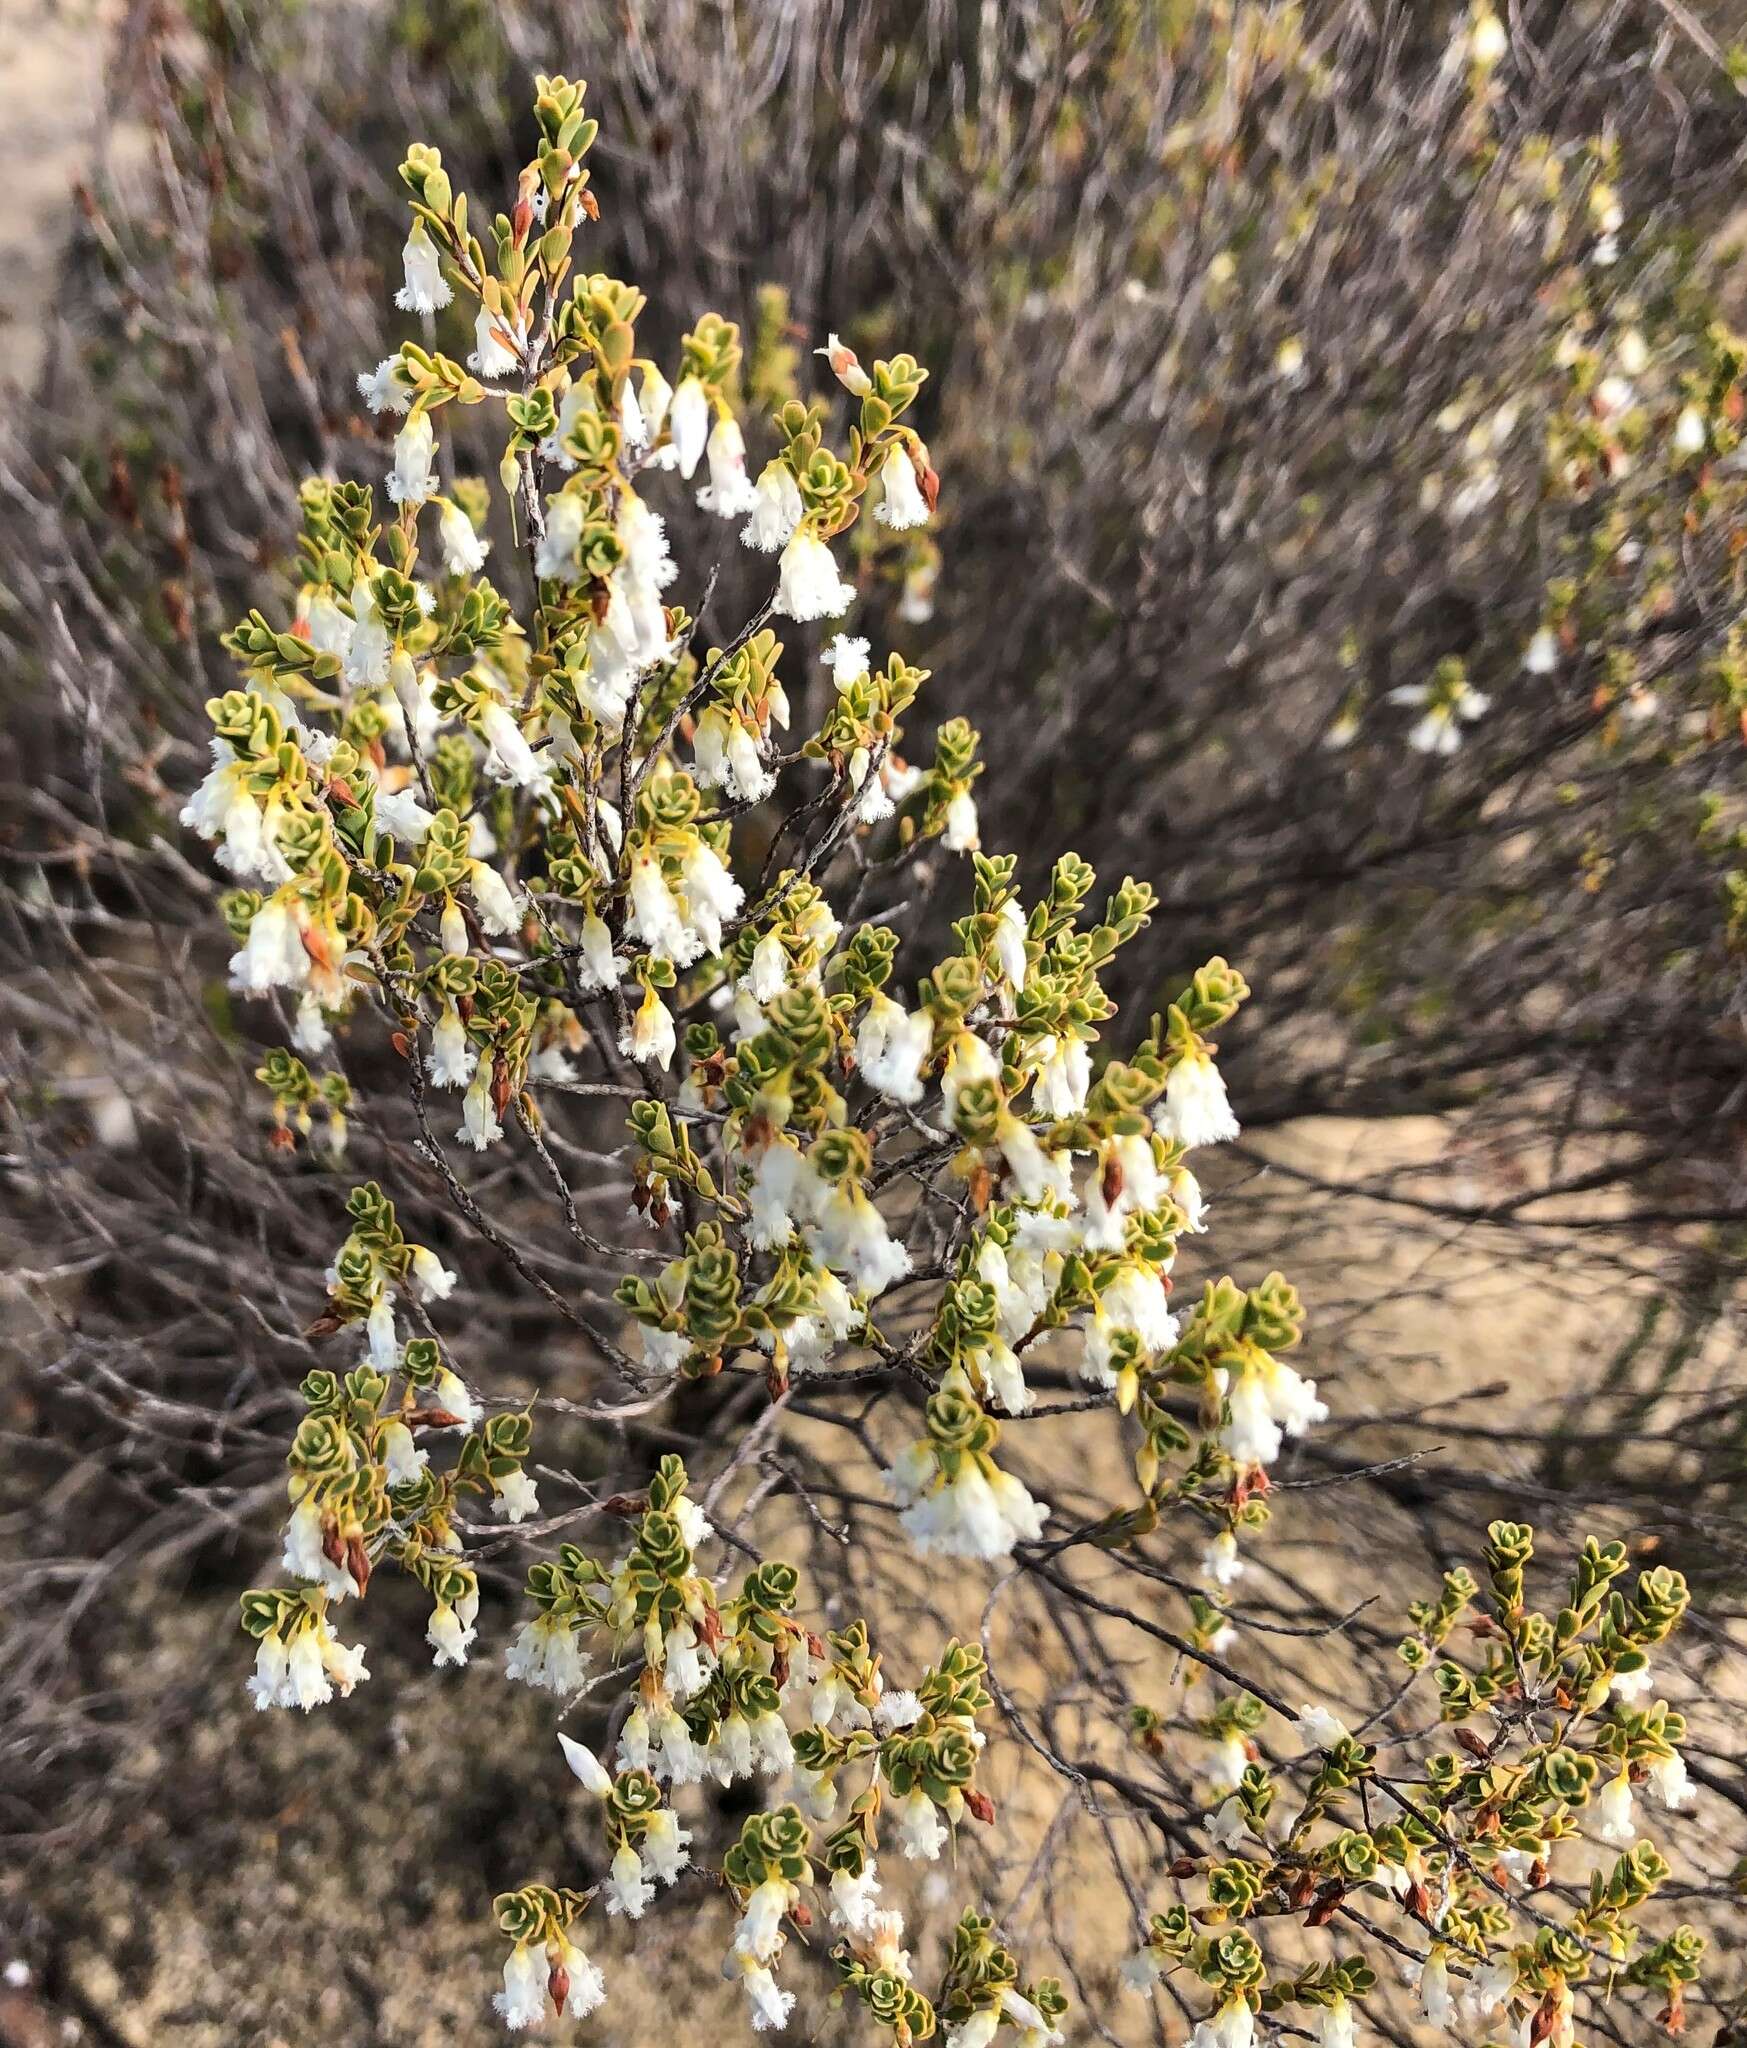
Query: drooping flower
[(808, 585), (651, 1034), (891, 1046), (494, 351), (901, 504), (464, 549), (1668, 1780), (688, 423), (385, 389), (413, 479), (1196, 1108), (729, 491), (777, 508), (962, 832), (1613, 1811), (425, 289), (450, 1631)]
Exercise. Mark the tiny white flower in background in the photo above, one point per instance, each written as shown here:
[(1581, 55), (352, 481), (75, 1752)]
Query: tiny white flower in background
[(413, 480), (273, 955), (653, 400), (309, 1032), (498, 910), (588, 1988), (666, 1846), (651, 1035), (961, 833), (1488, 40), (402, 1459), (1062, 1078), (1487, 1989), (808, 585), (304, 1557), (1228, 1824), (479, 1124), (851, 1235), (1220, 1561), (1289, 361), (1689, 431), (450, 1631), (1434, 1991), (464, 550), (1634, 353), (777, 508), (511, 756), (368, 646), (1631, 1685), (1541, 656), (916, 604), (1668, 1780), (547, 1655), (1613, 1811), (771, 2005), (1319, 1729), (891, 1045), (902, 504), (453, 1399), (425, 289), (1335, 2026), (1440, 730), (854, 1898), (921, 1833), (556, 554), (1009, 942), (599, 967), (656, 917), (493, 355), (1197, 1110), (665, 1350), (729, 491), (628, 1890), (515, 1497), (1232, 2026), (383, 389), (768, 974), (452, 1059), (1229, 1761), (688, 422), (711, 894), (847, 660), (1141, 1971), (522, 2001), (1518, 1863)]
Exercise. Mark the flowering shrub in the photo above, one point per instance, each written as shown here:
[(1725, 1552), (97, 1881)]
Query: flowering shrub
[(571, 850)]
